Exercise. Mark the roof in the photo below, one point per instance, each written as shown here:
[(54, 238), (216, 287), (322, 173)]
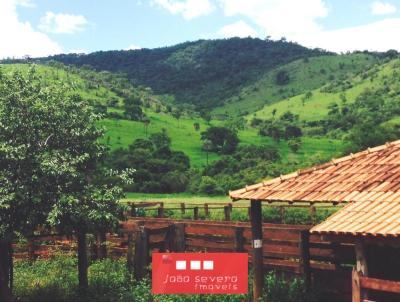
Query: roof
[(363, 218), (370, 175), (369, 181)]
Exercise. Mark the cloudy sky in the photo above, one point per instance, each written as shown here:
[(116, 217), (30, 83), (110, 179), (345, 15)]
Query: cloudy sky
[(44, 27)]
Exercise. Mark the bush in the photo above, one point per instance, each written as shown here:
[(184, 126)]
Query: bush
[(209, 186)]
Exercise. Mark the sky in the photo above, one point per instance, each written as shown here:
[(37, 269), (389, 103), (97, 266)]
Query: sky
[(45, 27)]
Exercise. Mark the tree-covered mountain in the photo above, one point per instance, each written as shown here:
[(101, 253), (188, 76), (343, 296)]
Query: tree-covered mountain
[(204, 72)]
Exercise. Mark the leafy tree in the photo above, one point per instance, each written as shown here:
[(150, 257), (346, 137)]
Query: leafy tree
[(282, 78), (292, 131), (223, 140), (48, 149), (206, 116), (161, 139), (177, 113), (158, 169), (146, 122), (294, 144), (133, 111)]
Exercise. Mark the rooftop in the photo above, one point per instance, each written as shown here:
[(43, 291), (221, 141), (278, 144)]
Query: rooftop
[(369, 181)]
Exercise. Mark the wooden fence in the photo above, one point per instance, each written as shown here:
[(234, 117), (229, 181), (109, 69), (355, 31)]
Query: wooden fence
[(159, 209), (361, 285), (287, 249)]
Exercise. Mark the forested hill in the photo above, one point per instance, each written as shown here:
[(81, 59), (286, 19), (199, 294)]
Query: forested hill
[(204, 72)]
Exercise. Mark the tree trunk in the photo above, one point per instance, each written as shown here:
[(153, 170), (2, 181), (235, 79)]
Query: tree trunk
[(5, 272), (82, 260)]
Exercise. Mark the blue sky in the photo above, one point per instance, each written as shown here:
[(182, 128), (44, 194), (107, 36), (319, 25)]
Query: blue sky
[(43, 27)]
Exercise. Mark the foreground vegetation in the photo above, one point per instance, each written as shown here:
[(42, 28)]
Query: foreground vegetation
[(109, 280)]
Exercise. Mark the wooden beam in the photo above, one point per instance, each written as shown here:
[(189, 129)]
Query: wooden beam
[(356, 287), (256, 230), (380, 285), (361, 263), (305, 258), (196, 213), (361, 258)]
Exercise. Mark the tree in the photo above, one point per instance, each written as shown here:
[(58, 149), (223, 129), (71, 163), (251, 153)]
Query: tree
[(206, 116), (133, 111), (46, 162), (196, 126), (223, 140), (207, 145), (177, 113), (282, 78), (294, 144), (292, 131), (146, 122), (160, 139)]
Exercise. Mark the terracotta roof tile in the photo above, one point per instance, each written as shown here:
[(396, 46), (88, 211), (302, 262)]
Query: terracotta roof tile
[(368, 180)]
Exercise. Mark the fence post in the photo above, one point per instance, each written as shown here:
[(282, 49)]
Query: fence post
[(257, 245), (133, 209), (141, 258), (206, 211), (305, 258), (196, 213), (130, 259), (183, 209), (313, 214), (239, 239), (356, 288), (160, 211), (227, 213), (31, 248), (282, 213), (179, 244), (101, 245)]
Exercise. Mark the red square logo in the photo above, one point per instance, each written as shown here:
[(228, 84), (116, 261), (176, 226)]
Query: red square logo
[(200, 273)]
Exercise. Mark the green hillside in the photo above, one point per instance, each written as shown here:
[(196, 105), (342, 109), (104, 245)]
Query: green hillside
[(204, 72), (121, 132), (316, 106), (303, 75)]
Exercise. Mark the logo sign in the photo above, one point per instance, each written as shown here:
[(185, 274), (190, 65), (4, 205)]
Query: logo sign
[(200, 273)]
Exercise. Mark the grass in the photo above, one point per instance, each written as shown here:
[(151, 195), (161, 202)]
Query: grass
[(305, 75), (109, 280), (53, 75), (317, 106), (121, 133)]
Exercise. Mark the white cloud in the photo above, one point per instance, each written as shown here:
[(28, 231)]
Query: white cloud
[(133, 47), (238, 29), (25, 3), (299, 21), (189, 9), (278, 18), (377, 36), (20, 38), (62, 23), (382, 8)]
